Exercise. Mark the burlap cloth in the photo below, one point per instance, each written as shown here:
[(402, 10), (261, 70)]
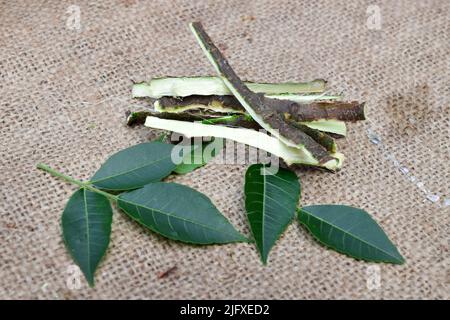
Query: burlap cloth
[(64, 93)]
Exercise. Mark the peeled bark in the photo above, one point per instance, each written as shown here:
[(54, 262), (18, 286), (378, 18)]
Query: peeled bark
[(320, 137), (234, 120), (252, 138), (207, 85), (315, 110)]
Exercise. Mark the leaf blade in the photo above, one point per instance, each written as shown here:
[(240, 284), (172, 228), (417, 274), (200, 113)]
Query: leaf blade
[(86, 224), (135, 166), (270, 202), (179, 213), (350, 231)]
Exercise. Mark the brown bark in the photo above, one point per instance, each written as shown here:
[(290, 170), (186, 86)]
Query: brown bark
[(337, 110)]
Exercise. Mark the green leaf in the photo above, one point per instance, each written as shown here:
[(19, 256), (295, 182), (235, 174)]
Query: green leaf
[(136, 166), (86, 225), (162, 137), (196, 157), (350, 231), (271, 201), (178, 213)]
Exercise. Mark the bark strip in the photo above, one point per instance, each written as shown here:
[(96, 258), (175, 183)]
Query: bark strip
[(288, 130), (220, 102), (320, 137), (235, 120), (208, 85), (313, 140), (337, 110), (318, 110)]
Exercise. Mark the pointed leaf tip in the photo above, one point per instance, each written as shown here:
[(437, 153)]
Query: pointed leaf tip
[(270, 202)]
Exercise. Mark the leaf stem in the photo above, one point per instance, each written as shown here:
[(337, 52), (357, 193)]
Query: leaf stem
[(79, 183)]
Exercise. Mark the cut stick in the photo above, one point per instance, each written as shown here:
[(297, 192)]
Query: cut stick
[(267, 112), (249, 137), (205, 86)]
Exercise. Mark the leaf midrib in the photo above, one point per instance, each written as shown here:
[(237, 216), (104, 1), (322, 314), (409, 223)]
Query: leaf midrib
[(264, 202), (175, 217), (86, 213), (128, 171), (277, 187), (350, 234), (264, 215)]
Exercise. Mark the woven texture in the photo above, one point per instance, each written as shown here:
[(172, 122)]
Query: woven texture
[(64, 93)]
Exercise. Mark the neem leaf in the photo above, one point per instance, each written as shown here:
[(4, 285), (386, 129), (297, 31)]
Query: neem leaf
[(162, 137), (350, 231), (134, 167), (178, 213), (86, 225), (271, 201)]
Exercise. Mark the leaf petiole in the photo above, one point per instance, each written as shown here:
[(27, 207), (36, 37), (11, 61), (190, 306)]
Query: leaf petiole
[(79, 183)]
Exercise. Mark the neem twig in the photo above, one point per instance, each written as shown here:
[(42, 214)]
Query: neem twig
[(269, 113)]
